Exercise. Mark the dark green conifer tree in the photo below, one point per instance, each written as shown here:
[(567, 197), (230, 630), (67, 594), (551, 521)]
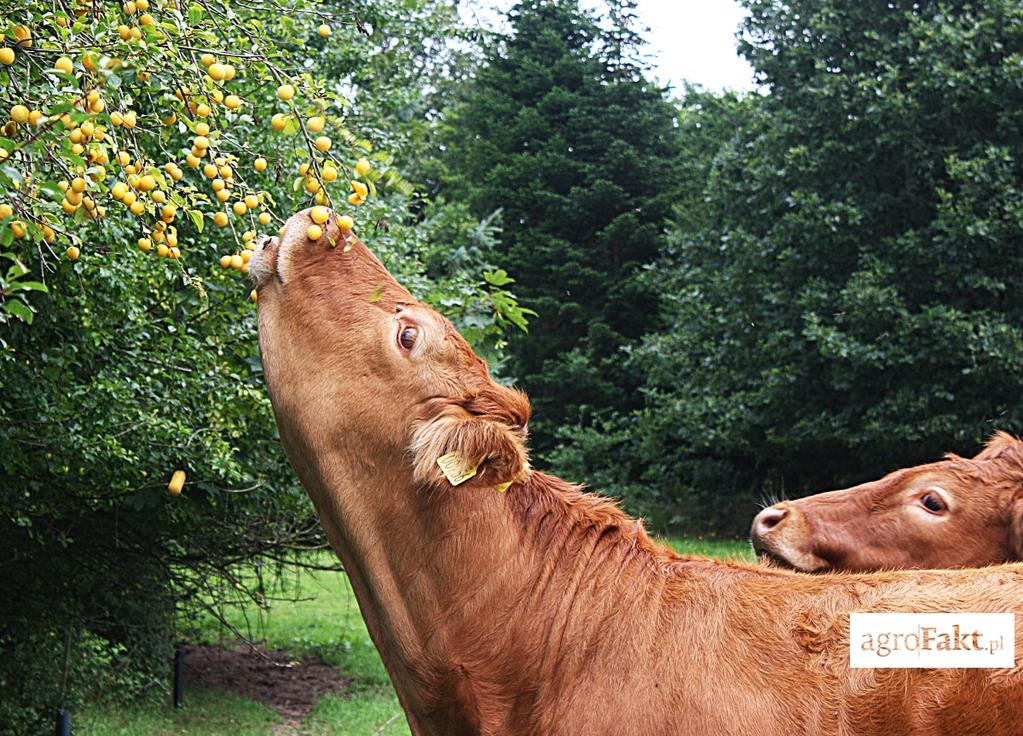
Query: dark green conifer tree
[(562, 132)]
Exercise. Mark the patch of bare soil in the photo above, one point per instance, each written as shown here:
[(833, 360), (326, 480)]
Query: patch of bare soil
[(288, 685)]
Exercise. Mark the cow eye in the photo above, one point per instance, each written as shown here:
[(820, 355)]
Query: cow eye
[(932, 503), (407, 337)]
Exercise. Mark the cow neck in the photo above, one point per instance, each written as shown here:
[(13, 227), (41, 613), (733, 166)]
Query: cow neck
[(433, 571)]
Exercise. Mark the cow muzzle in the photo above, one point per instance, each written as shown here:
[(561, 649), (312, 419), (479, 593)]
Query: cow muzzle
[(780, 536), (263, 264)]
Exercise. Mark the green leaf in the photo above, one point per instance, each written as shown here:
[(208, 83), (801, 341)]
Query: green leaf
[(499, 277), (51, 188), (20, 310), (27, 286), (17, 270)]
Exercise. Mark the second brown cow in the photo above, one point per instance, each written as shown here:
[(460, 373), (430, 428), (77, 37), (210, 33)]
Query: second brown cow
[(957, 512)]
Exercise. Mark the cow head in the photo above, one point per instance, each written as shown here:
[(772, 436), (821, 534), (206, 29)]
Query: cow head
[(357, 368), (954, 513)]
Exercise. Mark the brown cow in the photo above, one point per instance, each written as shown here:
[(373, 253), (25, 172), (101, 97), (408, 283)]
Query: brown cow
[(952, 513), (544, 609)]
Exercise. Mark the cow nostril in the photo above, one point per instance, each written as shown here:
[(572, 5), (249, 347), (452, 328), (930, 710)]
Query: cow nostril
[(768, 519)]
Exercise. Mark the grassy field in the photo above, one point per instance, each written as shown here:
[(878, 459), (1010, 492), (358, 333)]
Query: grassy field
[(325, 621), (723, 549)]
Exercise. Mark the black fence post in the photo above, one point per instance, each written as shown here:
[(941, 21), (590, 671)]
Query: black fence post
[(64, 715), (63, 722), (179, 685)]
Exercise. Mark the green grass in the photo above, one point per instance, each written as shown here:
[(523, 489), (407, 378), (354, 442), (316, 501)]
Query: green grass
[(723, 549), (373, 711), (204, 714), (324, 620)]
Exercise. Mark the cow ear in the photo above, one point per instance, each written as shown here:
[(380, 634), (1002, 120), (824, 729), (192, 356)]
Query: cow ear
[(500, 403), (1016, 527), (471, 449), (997, 445)]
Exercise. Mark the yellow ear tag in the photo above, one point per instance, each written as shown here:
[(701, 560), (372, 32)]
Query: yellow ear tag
[(454, 469), (502, 487)]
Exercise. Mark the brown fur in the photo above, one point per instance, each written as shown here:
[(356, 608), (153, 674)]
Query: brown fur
[(883, 524), (545, 609)]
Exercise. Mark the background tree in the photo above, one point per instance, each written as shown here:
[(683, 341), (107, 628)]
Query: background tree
[(848, 298), (637, 455), (575, 149)]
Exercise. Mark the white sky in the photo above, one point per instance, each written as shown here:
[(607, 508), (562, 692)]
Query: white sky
[(695, 40), (688, 39)]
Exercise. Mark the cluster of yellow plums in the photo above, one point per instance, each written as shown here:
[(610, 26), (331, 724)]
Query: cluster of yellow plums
[(145, 188), (313, 184), (319, 215)]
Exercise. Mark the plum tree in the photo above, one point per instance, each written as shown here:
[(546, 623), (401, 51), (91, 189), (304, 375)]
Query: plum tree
[(158, 114)]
